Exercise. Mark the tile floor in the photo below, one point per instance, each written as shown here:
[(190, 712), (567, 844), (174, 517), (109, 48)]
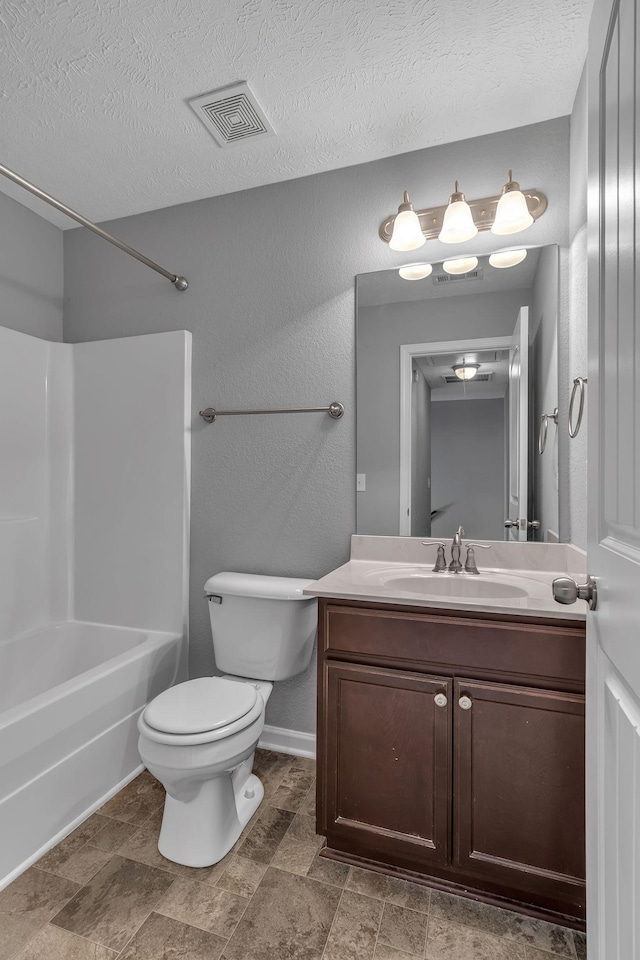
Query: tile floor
[(105, 893)]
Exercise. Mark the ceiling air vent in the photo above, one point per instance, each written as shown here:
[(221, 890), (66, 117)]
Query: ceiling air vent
[(479, 378), (231, 115), (454, 277)]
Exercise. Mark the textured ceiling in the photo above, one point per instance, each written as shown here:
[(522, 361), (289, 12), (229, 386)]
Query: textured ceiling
[(94, 93)]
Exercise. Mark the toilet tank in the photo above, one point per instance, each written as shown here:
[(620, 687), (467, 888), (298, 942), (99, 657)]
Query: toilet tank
[(262, 627)]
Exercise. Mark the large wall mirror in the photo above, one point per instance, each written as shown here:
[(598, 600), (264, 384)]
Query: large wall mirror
[(455, 376)]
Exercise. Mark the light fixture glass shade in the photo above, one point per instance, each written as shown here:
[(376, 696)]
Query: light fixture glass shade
[(415, 271), (466, 371), (462, 265), (512, 213), (508, 258), (457, 224), (407, 232)]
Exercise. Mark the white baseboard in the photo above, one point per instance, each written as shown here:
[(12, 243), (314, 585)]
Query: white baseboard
[(288, 741)]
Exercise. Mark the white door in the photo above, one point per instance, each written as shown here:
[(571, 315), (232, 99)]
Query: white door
[(517, 484), (613, 629)]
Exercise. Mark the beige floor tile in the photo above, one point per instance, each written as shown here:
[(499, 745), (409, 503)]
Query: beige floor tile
[(450, 941), (204, 906), (111, 907), (329, 871), (52, 943), (580, 943), (84, 864), (470, 913), (402, 893), (543, 936), (355, 928), (308, 805), (271, 771), (142, 846), (263, 839), (27, 904), (241, 876), (288, 917), (58, 855), (161, 938), (112, 835), (383, 952), (136, 802), (403, 929), (294, 856), (304, 828)]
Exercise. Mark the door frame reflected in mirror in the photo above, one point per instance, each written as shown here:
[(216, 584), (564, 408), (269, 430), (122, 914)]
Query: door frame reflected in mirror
[(408, 352)]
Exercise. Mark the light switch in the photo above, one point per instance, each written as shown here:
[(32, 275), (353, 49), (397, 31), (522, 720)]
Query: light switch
[(361, 482)]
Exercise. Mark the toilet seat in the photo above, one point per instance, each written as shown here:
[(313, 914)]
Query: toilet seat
[(201, 711), (197, 706)]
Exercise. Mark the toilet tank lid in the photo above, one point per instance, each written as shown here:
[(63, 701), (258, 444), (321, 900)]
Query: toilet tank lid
[(228, 584)]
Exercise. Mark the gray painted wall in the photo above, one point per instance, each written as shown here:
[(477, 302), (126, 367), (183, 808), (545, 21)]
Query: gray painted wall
[(381, 330), (544, 330), (31, 272), (467, 468), (271, 309)]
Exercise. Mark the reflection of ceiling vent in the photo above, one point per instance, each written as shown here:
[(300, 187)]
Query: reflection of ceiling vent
[(479, 378), (454, 277), (232, 114)]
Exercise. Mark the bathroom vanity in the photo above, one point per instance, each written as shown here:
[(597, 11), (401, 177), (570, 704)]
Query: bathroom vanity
[(451, 729)]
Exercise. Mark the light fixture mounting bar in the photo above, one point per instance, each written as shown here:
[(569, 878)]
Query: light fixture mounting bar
[(180, 283), (483, 212)]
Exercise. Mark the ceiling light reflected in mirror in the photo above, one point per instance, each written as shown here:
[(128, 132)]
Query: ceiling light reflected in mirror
[(461, 265), (415, 271), (508, 258)]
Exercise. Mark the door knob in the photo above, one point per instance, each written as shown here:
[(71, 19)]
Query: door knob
[(440, 700), (465, 703), (566, 590), (512, 523), (535, 524)]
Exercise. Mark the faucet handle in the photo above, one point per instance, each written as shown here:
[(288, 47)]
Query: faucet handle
[(470, 563), (441, 563)]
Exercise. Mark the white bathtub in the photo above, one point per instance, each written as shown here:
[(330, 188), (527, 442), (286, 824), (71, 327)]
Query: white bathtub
[(70, 696)]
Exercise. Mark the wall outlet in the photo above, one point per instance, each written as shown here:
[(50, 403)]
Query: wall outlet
[(361, 482)]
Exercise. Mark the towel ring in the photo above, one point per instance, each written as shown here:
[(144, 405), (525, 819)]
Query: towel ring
[(544, 427), (578, 384)]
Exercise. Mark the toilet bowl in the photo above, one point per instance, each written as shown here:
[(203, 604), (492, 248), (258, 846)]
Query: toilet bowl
[(199, 737)]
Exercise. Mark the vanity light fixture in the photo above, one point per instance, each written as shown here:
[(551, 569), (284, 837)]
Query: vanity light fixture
[(461, 219), (512, 214), (457, 224), (461, 265), (508, 258), (415, 271), (466, 371), (407, 232)]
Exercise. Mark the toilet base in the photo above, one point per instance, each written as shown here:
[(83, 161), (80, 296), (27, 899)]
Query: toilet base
[(201, 831)]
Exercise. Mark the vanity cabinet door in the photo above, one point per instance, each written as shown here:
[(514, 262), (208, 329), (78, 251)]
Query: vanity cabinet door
[(387, 763), (519, 789)]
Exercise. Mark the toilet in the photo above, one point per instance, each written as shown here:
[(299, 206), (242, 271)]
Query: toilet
[(198, 738)]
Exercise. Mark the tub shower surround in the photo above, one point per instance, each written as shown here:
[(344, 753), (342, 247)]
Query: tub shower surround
[(94, 509)]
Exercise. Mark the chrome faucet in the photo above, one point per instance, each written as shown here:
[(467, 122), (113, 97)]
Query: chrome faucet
[(470, 565), (456, 546)]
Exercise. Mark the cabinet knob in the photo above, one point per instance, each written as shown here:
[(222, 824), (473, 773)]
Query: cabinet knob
[(465, 703), (440, 700)]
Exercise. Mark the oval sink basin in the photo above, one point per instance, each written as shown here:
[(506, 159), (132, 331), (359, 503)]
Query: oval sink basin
[(443, 585)]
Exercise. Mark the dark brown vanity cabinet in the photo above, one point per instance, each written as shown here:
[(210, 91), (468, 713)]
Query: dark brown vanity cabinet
[(451, 749)]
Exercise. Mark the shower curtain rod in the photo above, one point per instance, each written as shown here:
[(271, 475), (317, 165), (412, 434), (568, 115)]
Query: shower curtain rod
[(180, 283)]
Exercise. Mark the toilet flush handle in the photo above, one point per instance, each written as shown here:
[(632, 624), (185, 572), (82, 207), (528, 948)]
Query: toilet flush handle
[(214, 598)]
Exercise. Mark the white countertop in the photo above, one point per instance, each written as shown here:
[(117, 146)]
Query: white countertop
[(399, 570)]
